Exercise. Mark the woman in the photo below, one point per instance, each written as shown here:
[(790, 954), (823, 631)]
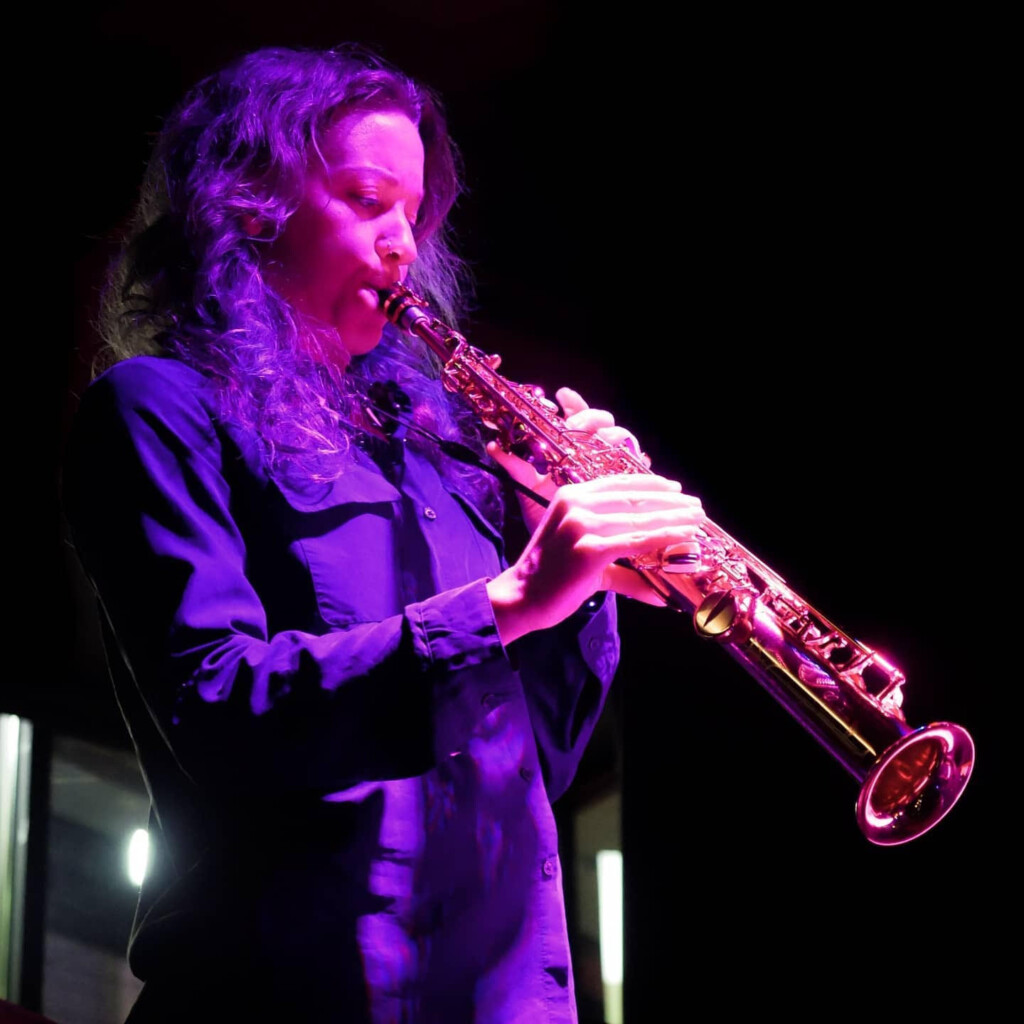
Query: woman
[(351, 709)]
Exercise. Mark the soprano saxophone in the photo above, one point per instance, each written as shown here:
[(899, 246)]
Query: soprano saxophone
[(843, 693)]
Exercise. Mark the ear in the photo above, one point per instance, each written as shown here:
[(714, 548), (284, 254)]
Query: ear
[(252, 225)]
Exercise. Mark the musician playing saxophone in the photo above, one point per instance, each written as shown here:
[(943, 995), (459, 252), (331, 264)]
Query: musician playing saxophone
[(352, 705)]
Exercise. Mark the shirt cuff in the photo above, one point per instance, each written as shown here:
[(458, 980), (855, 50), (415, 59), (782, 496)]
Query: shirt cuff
[(455, 635)]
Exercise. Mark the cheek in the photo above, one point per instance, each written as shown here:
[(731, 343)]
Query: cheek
[(304, 237), (286, 254), (322, 250), (336, 249)]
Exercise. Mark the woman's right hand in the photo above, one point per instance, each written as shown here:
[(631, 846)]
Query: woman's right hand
[(572, 553)]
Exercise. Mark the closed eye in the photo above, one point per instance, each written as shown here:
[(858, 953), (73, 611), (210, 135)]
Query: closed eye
[(366, 202)]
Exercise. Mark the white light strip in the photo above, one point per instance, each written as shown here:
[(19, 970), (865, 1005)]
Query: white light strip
[(138, 856), (609, 910), (15, 785), (609, 919)]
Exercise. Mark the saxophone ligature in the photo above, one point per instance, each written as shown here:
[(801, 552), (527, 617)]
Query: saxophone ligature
[(846, 695)]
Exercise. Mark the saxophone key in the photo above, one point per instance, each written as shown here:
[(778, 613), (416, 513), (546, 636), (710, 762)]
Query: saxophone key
[(684, 557)]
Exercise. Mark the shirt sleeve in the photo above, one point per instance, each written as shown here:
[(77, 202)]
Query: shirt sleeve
[(152, 516), (566, 674)]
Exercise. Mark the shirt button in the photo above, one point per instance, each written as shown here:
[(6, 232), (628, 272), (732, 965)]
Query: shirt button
[(594, 643), (490, 701), (548, 868), (526, 774), (429, 513)]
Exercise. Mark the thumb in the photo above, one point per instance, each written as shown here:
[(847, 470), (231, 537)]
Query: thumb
[(520, 470), (630, 583)]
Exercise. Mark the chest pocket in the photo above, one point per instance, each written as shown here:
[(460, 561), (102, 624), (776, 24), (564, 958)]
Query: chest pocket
[(492, 538), (462, 544), (370, 549), (344, 534)]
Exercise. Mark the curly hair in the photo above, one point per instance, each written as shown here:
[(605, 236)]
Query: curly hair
[(187, 282)]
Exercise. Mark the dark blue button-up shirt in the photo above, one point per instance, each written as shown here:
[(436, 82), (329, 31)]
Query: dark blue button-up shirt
[(351, 777)]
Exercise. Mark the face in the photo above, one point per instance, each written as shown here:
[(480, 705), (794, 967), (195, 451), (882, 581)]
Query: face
[(352, 232)]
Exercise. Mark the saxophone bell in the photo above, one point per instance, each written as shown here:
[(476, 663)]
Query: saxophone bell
[(915, 783)]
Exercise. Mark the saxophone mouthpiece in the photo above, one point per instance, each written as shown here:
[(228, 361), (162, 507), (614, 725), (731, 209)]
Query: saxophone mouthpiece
[(401, 306)]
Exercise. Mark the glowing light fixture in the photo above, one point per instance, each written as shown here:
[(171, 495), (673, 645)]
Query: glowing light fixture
[(138, 856), (609, 916)]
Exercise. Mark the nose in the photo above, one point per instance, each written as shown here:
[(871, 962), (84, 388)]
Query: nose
[(397, 244)]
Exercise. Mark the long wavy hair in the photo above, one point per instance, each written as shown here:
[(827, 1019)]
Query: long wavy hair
[(187, 282)]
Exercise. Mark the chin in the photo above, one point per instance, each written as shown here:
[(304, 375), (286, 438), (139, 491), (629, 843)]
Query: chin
[(359, 343), (364, 335)]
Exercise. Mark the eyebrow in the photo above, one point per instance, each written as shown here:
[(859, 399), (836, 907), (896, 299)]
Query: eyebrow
[(377, 172), (364, 168)]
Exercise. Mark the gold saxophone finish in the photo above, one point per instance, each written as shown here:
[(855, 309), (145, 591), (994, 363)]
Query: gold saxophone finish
[(845, 694)]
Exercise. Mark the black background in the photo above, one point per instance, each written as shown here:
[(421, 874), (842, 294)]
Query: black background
[(775, 249)]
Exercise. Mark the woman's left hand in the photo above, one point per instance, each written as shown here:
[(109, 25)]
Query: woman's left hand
[(578, 416)]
